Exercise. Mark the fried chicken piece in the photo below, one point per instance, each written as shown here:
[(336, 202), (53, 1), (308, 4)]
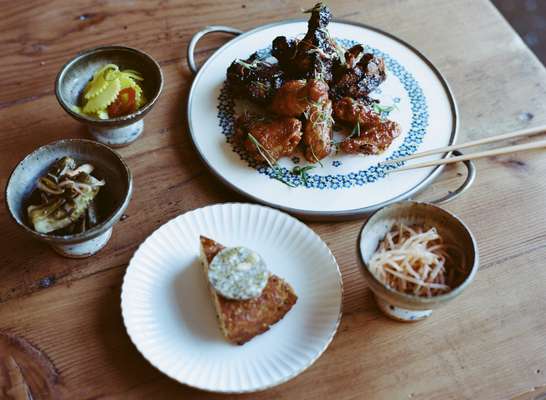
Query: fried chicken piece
[(317, 134), (376, 134), (375, 140), (291, 99), (285, 50), (267, 139), (294, 97), (254, 78), (313, 56), (359, 75), (350, 111), (297, 98)]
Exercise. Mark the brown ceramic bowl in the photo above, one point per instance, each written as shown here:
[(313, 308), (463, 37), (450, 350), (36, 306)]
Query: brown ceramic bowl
[(406, 307)]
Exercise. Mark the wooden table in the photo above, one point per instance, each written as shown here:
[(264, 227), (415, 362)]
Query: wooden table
[(65, 333)]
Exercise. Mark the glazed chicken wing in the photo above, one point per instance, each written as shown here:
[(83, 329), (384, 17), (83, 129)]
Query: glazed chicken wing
[(254, 79), (350, 111), (294, 97), (359, 75), (375, 140), (267, 139), (317, 134), (313, 83), (291, 99), (376, 134), (313, 56)]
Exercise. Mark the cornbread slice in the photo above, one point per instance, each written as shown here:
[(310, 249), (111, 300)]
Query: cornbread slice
[(241, 320)]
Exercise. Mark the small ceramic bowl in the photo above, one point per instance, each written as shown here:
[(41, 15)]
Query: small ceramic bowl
[(405, 307), (77, 72), (112, 199)]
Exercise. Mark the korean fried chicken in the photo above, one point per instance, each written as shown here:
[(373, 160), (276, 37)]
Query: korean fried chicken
[(350, 111), (315, 84), (317, 134), (376, 134), (360, 74), (294, 97), (254, 79), (267, 139), (374, 140), (314, 55), (310, 101)]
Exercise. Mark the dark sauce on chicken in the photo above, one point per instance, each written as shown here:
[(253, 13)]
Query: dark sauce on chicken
[(306, 88)]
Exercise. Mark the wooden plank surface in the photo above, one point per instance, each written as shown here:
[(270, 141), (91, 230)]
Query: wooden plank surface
[(488, 344)]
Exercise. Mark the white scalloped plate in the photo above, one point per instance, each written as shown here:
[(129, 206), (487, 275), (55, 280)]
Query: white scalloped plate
[(171, 319)]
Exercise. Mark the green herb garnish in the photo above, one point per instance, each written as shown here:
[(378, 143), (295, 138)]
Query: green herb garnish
[(302, 172), (379, 109), (266, 155), (279, 177), (354, 133), (247, 65), (315, 156), (321, 116)]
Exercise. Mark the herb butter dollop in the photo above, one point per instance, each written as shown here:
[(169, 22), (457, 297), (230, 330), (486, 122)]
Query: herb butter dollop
[(238, 273)]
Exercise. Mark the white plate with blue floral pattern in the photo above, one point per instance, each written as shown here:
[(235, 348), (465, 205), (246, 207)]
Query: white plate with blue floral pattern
[(345, 185)]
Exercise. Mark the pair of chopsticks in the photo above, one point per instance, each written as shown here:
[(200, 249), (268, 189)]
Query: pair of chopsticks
[(472, 156)]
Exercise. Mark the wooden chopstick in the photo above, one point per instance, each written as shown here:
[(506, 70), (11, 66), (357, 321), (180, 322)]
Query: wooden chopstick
[(495, 152), (516, 134)]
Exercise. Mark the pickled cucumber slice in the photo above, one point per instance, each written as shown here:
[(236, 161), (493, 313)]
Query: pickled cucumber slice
[(103, 99), (132, 74), (99, 81), (104, 89)]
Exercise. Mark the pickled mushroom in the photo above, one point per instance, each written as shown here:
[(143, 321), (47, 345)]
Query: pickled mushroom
[(67, 193)]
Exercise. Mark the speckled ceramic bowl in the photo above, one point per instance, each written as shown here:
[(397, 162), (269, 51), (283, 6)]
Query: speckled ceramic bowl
[(405, 307), (77, 72), (113, 198)]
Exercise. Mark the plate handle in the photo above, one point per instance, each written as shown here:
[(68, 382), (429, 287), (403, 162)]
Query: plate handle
[(470, 177), (205, 31)]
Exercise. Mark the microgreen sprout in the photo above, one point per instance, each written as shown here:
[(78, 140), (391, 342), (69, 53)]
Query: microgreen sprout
[(270, 160), (355, 133), (379, 109), (252, 65), (302, 172), (315, 156)]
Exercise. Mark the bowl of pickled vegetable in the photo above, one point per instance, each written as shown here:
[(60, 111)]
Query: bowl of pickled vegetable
[(69, 194), (110, 89)]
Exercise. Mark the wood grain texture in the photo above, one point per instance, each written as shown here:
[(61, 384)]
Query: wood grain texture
[(25, 372), (488, 344)]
